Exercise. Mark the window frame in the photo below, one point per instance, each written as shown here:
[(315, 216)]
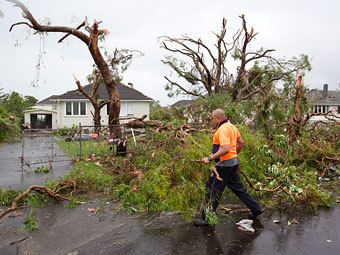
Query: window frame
[(124, 107), (72, 109)]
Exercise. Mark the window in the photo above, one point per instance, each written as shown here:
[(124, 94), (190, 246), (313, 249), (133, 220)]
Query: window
[(339, 109), (122, 109), (75, 108), (321, 108), (41, 117), (129, 109), (82, 108), (68, 108), (126, 109)]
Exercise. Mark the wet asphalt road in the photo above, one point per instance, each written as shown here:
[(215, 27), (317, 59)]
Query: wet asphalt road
[(108, 231), (37, 152), (81, 232)]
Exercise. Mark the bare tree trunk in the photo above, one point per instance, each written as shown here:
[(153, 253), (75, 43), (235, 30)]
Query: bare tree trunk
[(97, 119), (111, 86)]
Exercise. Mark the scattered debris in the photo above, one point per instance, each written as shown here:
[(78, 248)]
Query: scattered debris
[(138, 174), (135, 187), (293, 221), (73, 253), (91, 210), (246, 225), (218, 177), (19, 241), (226, 210), (94, 136), (14, 214), (325, 179)]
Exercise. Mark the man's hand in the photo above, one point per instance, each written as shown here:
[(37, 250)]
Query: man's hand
[(206, 160)]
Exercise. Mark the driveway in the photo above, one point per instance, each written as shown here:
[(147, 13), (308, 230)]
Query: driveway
[(14, 175)]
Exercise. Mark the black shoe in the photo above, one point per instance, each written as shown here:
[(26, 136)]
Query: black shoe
[(254, 216), (200, 223)]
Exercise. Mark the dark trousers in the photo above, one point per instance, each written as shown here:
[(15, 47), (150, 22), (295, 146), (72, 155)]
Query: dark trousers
[(231, 179)]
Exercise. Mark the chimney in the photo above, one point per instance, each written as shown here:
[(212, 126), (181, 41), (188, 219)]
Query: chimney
[(130, 85), (325, 91)]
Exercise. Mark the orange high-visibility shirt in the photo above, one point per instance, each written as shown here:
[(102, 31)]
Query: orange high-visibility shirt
[(226, 134)]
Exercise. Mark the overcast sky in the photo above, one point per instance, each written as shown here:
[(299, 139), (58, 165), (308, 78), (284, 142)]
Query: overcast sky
[(290, 27)]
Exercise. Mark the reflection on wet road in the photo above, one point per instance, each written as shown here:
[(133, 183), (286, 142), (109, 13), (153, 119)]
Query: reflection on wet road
[(79, 231)]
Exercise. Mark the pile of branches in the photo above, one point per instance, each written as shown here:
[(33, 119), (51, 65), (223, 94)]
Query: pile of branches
[(180, 133)]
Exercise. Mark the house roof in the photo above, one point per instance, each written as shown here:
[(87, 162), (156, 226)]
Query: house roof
[(316, 96), (40, 110), (125, 92), (48, 100), (182, 103)]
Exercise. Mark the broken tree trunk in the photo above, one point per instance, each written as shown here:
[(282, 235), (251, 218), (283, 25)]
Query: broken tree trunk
[(91, 41), (294, 124)]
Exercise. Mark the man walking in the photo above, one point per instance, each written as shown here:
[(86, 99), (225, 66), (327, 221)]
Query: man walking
[(227, 142)]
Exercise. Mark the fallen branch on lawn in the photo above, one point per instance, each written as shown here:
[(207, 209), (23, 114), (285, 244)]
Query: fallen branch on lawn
[(40, 189), (280, 187)]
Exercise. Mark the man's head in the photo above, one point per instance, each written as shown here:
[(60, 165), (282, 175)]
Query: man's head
[(217, 116)]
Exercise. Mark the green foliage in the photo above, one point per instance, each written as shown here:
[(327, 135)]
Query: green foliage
[(167, 185), (200, 110), (211, 216), (72, 203), (41, 170), (9, 126), (15, 104), (89, 148), (167, 115), (7, 196), (312, 198), (11, 114), (162, 176), (31, 222), (280, 164), (36, 200), (66, 132), (320, 143), (90, 177)]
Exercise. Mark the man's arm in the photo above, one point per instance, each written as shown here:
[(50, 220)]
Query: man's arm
[(221, 152), (239, 144)]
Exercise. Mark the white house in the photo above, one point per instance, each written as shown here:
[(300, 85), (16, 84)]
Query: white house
[(72, 108), (324, 101)]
